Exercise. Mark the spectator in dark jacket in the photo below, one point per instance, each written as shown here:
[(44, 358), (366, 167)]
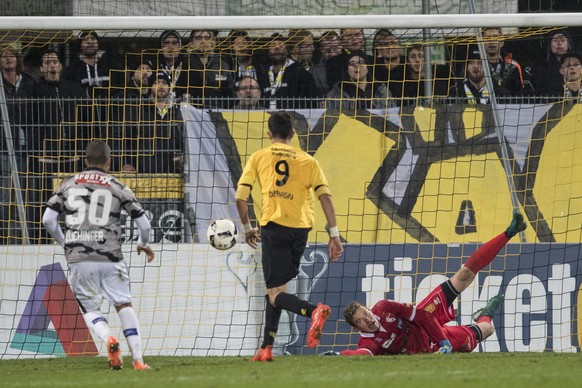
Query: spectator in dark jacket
[(572, 72), (547, 79), (51, 85), (19, 89), (289, 84), (408, 81), (174, 63), (140, 70), (507, 73), (94, 69), (329, 47), (18, 85), (58, 116), (387, 55), (210, 74), (60, 131), (244, 62), (474, 87), (154, 132), (357, 90), (352, 39), (301, 48)]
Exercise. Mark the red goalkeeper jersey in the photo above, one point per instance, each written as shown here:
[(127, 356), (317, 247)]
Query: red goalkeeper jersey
[(404, 329)]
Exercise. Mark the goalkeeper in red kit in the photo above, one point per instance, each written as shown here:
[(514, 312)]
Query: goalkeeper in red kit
[(400, 328)]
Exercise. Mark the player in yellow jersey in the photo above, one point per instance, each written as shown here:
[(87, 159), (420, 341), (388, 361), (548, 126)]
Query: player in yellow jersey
[(288, 178)]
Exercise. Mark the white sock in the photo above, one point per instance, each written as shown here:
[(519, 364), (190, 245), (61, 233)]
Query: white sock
[(130, 326), (96, 321)]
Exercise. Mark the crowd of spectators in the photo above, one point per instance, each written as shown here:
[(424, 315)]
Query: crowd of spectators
[(206, 68), (132, 99)]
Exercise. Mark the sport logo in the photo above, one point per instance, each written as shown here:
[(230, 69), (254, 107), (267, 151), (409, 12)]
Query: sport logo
[(52, 302), (93, 178)]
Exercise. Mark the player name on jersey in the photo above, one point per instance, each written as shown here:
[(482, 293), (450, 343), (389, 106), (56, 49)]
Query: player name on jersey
[(73, 236), (280, 194), (284, 152)]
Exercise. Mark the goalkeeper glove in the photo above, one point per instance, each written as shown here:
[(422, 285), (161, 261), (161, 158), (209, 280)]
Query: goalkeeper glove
[(329, 353), (445, 347)]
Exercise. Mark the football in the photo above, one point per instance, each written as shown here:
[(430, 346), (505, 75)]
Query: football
[(222, 234)]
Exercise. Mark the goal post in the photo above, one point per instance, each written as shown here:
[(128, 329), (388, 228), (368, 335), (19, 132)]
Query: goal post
[(313, 22), (418, 182)]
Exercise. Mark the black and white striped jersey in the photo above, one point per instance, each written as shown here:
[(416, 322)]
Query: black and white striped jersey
[(92, 201)]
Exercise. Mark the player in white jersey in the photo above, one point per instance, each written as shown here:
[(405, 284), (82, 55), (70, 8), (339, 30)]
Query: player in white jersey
[(92, 202)]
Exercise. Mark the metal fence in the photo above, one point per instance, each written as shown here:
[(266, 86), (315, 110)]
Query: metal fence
[(48, 138)]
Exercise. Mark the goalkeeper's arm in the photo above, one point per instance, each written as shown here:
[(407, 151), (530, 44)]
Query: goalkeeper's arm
[(356, 352)]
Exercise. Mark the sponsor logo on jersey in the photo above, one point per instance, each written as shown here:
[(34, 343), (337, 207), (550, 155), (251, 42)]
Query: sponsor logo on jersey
[(430, 308), (93, 178)]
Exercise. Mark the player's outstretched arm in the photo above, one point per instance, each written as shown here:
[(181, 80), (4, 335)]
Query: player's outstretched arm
[(356, 352), (445, 347), (334, 247)]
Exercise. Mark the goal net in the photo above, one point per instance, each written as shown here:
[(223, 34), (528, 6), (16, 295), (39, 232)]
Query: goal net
[(426, 149)]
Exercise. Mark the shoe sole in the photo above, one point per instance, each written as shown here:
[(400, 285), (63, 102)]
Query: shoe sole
[(314, 334), (115, 362)]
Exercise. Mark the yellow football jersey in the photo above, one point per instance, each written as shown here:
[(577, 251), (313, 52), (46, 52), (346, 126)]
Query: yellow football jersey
[(288, 178)]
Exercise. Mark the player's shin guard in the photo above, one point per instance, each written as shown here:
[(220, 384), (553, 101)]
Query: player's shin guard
[(98, 323), (486, 253), (272, 316), (130, 326), (294, 304), (477, 330)]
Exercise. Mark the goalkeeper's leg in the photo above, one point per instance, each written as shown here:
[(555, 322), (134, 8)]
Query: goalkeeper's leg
[(484, 316), (483, 256)]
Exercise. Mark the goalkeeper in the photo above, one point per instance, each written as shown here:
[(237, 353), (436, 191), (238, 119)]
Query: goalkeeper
[(400, 328)]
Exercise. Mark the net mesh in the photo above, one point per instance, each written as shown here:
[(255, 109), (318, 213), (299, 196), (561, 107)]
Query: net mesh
[(417, 173)]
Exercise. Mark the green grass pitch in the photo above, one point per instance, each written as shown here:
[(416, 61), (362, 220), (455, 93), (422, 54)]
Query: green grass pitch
[(491, 370)]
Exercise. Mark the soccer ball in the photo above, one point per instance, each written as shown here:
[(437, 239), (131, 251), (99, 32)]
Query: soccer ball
[(222, 234)]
